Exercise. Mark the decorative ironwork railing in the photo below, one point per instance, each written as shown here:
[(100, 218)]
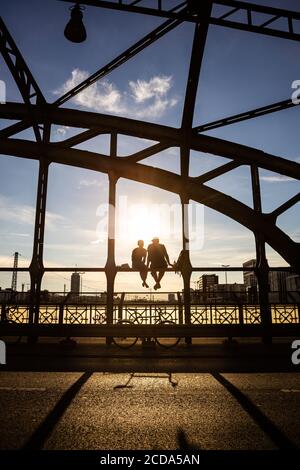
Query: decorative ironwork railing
[(151, 313)]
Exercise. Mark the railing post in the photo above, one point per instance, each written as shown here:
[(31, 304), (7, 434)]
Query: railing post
[(211, 313), (3, 312), (262, 273), (180, 309), (120, 307), (61, 314), (241, 314)]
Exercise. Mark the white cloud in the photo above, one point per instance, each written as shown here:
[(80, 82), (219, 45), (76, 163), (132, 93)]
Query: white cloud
[(11, 211), (84, 183), (15, 234), (156, 86), (276, 179), (157, 108), (145, 99)]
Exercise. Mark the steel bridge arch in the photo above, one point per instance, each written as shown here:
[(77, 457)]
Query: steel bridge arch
[(169, 181)]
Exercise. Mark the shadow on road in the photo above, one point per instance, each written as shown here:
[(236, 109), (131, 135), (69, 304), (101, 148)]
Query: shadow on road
[(136, 375), (266, 425), (39, 437)]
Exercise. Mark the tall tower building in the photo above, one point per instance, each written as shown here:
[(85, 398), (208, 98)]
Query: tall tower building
[(75, 283), (14, 278)]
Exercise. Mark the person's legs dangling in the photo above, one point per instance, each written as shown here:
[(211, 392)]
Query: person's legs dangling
[(161, 273), (143, 275)]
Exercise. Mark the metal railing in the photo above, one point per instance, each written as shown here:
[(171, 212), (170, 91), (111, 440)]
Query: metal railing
[(213, 311), (90, 309)]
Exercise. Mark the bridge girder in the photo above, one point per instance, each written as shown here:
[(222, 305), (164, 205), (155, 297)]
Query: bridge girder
[(173, 137), (166, 180)]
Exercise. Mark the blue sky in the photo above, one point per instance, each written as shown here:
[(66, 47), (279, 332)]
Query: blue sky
[(240, 71)]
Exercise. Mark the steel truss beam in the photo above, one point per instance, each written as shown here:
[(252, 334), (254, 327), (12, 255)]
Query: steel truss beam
[(253, 113), (238, 15), (81, 137), (221, 170), (31, 95), (170, 136), (147, 152), (24, 79), (285, 206), (162, 179)]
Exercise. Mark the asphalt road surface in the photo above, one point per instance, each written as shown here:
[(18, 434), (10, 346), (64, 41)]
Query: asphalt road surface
[(99, 410)]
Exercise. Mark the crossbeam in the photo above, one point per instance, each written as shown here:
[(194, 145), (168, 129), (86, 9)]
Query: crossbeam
[(28, 87), (129, 270), (165, 134), (235, 14), (252, 113)]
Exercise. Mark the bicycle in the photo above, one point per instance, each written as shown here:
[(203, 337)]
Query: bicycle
[(126, 342)]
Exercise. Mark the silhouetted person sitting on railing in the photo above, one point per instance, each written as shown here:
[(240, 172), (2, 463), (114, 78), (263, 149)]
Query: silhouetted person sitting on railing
[(138, 259), (158, 260)]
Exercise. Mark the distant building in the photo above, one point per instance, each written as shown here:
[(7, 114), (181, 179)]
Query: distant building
[(229, 292), (250, 280), (75, 283), (277, 282), (292, 282), (206, 281), (293, 288), (280, 284)]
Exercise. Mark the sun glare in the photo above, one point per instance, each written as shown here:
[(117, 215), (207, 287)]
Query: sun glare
[(143, 224)]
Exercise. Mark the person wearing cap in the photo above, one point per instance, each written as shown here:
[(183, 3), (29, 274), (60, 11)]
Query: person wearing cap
[(138, 259), (158, 260)]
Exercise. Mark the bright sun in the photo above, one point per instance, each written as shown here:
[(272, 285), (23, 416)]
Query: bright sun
[(140, 223), (145, 227)]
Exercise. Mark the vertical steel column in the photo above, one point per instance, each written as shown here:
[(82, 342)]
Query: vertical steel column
[(110, 267), (262, 267), (203, 9), (186, 267), (36, 268)]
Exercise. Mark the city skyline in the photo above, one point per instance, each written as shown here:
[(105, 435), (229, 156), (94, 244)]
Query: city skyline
[(73, 281)]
